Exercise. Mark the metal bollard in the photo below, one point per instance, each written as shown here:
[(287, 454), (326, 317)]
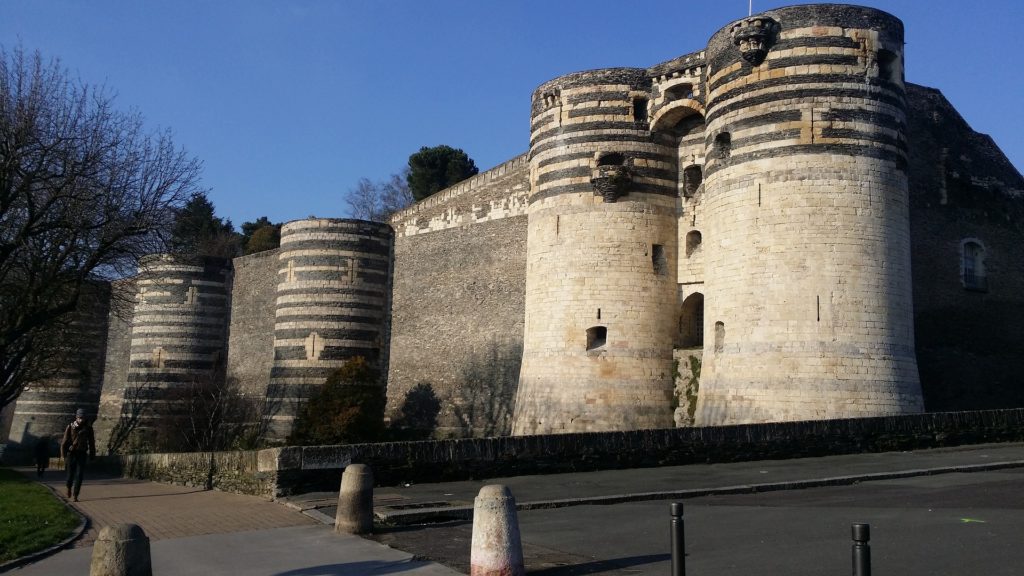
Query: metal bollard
[(678, 539), (861, 550)]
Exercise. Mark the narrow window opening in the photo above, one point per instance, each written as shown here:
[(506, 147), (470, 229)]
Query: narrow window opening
[(640, 109), (611, 159), (598, 313), (693, 240), (719, 336), (973, 266), (888, 66), (597, 336), (723, 144), (658, 260), (691, 322), (693, 176)]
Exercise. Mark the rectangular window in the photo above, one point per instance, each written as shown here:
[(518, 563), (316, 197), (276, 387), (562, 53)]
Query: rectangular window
[(658, 260)]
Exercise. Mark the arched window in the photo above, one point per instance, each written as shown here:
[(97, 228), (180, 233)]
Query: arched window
[(693, 241), (691, 322), (723, 145), (693, 175), (972, 265), (597, 336)]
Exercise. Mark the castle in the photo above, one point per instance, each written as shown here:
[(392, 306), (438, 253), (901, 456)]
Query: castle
[(777, 227)]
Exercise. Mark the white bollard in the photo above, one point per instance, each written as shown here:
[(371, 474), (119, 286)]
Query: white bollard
[(121, 550), (355, 501), (497, 549)]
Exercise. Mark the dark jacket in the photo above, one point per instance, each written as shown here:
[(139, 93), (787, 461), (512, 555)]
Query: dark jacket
[(78, 438)]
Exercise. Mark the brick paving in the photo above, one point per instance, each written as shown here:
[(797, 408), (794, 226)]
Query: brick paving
[(168, 511)]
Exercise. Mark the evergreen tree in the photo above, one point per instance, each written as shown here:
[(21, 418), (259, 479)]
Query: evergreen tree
[(264, 238), (260, 235), (198, 231), (436, 168)]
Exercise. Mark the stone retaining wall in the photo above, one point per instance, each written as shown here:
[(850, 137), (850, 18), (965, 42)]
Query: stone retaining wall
[(295, 469)]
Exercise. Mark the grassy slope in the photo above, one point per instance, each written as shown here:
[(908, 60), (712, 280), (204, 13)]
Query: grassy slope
[(31, 517)]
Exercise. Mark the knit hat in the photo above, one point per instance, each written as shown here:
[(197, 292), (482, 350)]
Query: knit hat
[(80, 413)]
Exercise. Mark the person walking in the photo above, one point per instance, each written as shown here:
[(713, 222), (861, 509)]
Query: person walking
[(42, 453), (78, 441)]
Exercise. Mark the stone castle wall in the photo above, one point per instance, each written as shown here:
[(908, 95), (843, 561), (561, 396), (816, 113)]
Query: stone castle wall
[(251, 331), (601, 249), (457, 314), (807, 246), (333, 299), (962, 188), (761, 184), (111, 430), (45, 408)]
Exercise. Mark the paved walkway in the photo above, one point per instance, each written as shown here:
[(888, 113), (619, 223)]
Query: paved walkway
[(196, 531), (169, 511)]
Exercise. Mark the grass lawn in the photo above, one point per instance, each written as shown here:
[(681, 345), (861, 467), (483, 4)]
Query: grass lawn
[(31, 517)]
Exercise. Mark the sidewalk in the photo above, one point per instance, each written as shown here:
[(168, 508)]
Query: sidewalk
[(196, 531), (454, 500)]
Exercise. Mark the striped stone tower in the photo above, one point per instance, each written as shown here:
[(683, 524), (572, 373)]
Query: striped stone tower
[(45, 408), (601, 252), (807, 252), (333, 304), (179, 327)]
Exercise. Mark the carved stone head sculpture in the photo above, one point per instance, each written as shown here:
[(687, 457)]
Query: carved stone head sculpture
[(754, 37)]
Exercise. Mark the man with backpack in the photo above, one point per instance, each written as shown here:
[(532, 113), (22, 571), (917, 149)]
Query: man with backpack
[(78, 441)]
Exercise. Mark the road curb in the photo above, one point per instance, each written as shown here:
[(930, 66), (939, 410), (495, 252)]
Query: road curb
[(444, 513)]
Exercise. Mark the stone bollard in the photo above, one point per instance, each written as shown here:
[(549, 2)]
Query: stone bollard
[(121, 550), (355, 501), (496, 549)]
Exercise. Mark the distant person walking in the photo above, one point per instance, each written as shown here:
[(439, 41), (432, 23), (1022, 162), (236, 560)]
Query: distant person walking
[(78, 441), (42, 455)]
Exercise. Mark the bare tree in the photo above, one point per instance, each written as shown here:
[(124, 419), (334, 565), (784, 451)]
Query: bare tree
[(84, 193), (377, 201), (208, 413)]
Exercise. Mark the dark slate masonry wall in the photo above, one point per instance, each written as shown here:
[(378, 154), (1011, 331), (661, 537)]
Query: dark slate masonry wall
[(251, 332), (457, 324), (970, 344), (457, 309), (115, 370)]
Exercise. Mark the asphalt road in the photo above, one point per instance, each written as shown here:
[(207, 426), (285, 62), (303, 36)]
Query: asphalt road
[(948, 524)]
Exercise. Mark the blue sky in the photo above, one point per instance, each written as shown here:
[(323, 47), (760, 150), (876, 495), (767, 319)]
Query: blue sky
[(288, 104)]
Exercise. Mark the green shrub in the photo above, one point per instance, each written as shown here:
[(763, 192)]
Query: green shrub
[(348, 409)]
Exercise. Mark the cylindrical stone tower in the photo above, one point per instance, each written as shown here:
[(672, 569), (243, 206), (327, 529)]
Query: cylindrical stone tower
[(601, 252), (807, 252), (333, 304), (45, 408), (179, 330)]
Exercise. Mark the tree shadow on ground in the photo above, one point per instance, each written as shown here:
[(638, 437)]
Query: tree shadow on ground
[(601, 565), (365, 567)]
